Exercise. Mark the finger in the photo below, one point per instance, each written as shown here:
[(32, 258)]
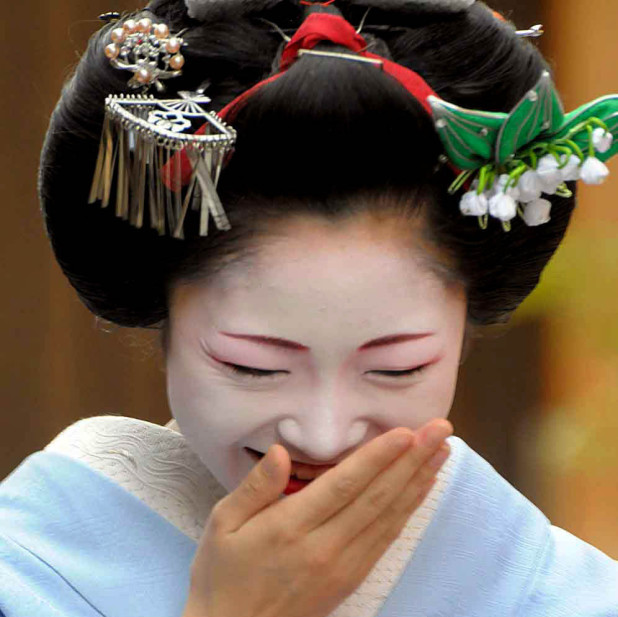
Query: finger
[(391, 531), (370, 546), (389, 527), (371, 504), (261, 487), (336, 488)]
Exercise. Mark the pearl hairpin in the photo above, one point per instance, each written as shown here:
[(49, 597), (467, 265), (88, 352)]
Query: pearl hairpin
[(142, 46)]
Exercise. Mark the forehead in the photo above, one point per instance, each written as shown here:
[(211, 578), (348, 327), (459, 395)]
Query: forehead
[(359, 271)]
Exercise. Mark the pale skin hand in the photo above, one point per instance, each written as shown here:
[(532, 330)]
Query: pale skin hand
[(302, 556)]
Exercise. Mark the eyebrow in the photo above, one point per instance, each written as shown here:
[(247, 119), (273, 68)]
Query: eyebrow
[(383, 341)]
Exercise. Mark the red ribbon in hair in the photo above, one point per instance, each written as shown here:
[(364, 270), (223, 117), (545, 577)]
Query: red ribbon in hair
[(317, 28)]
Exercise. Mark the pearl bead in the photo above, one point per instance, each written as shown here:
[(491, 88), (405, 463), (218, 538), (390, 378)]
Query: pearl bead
[(112, 51), (173, 45), (129, 26), (118, 35), (177, 61), (144, 25), (161, 31), (143, 75)]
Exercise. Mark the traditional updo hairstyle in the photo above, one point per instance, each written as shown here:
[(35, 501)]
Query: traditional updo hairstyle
[(330, 138)]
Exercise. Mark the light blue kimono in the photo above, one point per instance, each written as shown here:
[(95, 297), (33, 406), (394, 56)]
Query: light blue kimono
[(75, 544)]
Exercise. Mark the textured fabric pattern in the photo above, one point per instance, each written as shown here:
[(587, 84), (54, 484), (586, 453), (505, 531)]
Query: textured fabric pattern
[(490, 551), (150, 461), (75, 544)]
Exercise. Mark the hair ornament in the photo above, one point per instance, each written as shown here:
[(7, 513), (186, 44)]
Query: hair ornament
[(140, 133), (509, 161), (534, 32), (148, 50)]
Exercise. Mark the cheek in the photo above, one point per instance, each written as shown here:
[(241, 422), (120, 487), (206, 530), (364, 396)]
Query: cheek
[(194, 399), (210, 413), (435, 394)]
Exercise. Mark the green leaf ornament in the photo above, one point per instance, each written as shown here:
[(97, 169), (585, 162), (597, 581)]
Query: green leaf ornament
[(603, 111), (469, 136), (540, 111), (507, 162)]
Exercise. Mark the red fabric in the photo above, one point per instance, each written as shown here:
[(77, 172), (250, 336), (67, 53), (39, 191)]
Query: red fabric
[(318, 27)]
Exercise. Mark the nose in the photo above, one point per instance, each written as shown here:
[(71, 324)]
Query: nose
[(325, 432)]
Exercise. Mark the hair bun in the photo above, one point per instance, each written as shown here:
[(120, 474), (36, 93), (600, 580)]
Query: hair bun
[(203, 10)]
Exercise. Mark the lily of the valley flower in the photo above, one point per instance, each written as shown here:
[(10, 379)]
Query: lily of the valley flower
[(602, 140), (501, 183), (594, 171), (572, 170), (530, 186), (537, 212), (503, 207), (549, 174), (473, 204)]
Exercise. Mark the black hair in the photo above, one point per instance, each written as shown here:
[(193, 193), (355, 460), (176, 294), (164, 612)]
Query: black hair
[(330, 138)]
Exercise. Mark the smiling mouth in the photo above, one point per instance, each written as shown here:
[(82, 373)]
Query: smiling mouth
[(302, 471)]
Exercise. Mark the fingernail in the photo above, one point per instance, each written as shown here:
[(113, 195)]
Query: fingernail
[(402, 441), (270, 465), (433, 435), (439, 458)]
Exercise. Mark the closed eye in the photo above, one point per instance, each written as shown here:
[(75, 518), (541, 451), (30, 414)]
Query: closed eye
[(396, 374), (251, 372), (256, 372)]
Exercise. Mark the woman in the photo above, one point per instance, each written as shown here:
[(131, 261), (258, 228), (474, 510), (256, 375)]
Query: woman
[(321, 323)]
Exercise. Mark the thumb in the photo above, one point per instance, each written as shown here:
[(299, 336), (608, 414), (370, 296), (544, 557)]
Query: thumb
[(262, 486)]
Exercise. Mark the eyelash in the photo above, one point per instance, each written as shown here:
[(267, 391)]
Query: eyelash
[(256, 372)]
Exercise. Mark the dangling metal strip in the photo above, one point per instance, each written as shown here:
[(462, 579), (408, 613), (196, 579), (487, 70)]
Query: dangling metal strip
[(134, 183), (160, 191), (121, 174), (140, 136), (111, 155), (152, 186), (210, 200), (95, 188), (178, 232), (126, 153), (141, 186), (177, 194)]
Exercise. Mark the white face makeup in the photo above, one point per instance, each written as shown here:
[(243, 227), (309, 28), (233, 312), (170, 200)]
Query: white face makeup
[(330, 289)]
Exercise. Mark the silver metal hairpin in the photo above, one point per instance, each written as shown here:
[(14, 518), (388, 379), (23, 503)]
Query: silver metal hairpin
[(533, 32), (142, 136), (336, 54)]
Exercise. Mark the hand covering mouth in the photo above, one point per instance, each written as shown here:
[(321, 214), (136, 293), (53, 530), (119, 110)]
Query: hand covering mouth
[(302, 471)]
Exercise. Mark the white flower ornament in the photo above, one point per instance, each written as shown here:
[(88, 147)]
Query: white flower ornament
[(513, 159), (530, 186), (594, 171), (503, 207), (474, 204), (602, 140), (537, 212)]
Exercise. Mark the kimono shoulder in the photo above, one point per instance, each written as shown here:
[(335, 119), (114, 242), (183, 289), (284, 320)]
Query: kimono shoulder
[(75, 544), (489, 551)]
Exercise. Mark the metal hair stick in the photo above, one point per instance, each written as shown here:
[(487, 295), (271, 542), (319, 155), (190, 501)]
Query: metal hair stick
[(533, 32)]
